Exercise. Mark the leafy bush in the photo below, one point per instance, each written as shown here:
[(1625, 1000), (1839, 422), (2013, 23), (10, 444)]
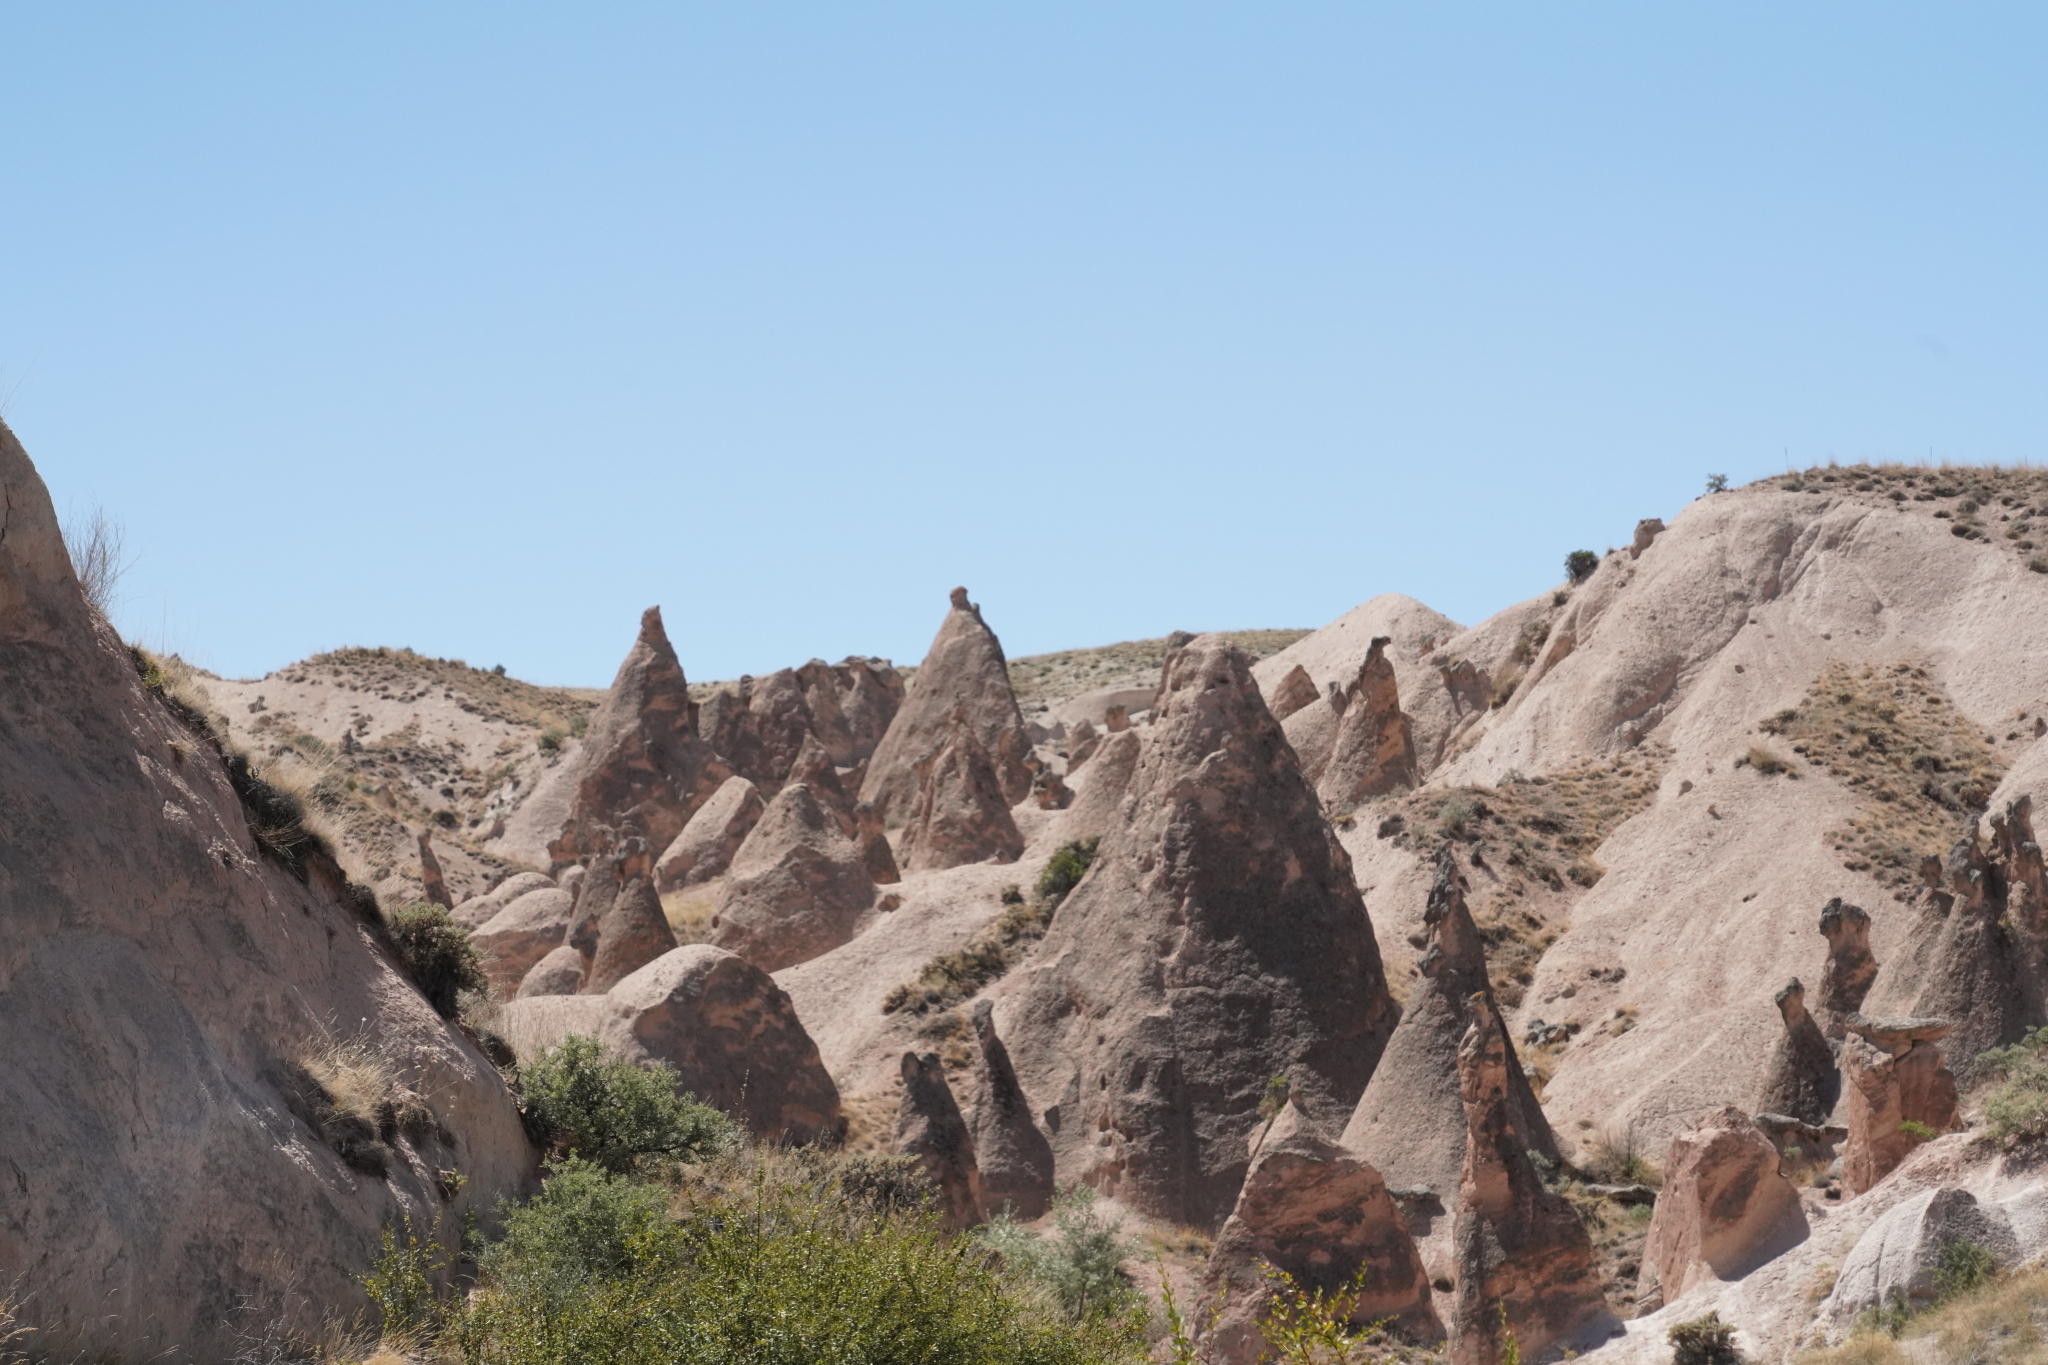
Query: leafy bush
[(1717, 483), (580, 1101), (401, 1283), (550, 740), (437, 955), (1963, 1267), (1076, 1267), (585, 1226), (1306, 1326), (1703, 1341), (2016, 1110), (1064, 870), (884, 1183), (1579, 565)]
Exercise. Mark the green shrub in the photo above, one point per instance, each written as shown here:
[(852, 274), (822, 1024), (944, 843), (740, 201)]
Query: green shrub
[(1717, 483), (1703, 1341), (401, 1282), (1963, 1267), (580, 726), (437, 955), (1579, 565), (1076, 1268), (550, 739), (586, 1225), (2016, 1110), (1918, 1131), (1064, 870), (580, 1101), (1275, 1097), (1313, 1326)]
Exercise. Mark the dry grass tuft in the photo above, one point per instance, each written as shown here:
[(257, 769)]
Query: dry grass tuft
[(1922, 767), (1999, 507), (2000, 1323), (346, 1092), (689, 913)]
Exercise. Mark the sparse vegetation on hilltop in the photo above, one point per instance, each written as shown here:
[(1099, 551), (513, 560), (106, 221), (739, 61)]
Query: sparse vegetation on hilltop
[(949, 978)]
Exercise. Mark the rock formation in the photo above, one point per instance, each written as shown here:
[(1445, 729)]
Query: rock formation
[(171, 959), (723, 1024), (1312, 1209), (964, 672), (1802, 1080), (1098, 804), (433, 886), (929, 1127), (1897, 1257), (726, 721), (1647, 530), (1373, 752), (1082, 742), (822, 690), (782, 719), (872, 839), (1312, 731), (641, 762), (1522, 1254), (1410, 1123), (796, 888), (476, 912), (1724, 1209), (1896, 1076), (959, 814), (1219, 940), (871, 690), (1013, 1155), (559, 973), (512, 941), (706, 847), (1850, 970), (619, 926), (1049, 792), (1294, 691)]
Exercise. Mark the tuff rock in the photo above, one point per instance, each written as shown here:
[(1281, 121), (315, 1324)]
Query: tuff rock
[(1373, 752), (705, 848), (619, 926), (512, 941), (1013, 1155), (1802, 1079), (929, 1127), (1724, 1210), (1293, 692), (1896, 1075), (959, 815), (1850, 970), (797, 885)]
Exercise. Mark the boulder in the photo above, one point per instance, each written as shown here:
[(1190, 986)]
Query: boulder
[(1410, 1123), (520, 935), (797, 885), (960, 815), (1082, 742), (1896, 1076), (706, 846), (619, 926), (723, 1024), (929, 1127), (1014, 1157), (433, 886), (1218, 940), (1313, 1210), (1647, 530), (1293, 692), (1523, 1257), (641, 762), (1116, 717), (1098, 804), (1373, 752), (1851, 969), (558, 973), (1724, 1210), (476, 912), (965, 673), (1802, 1079), (1897, 1257)]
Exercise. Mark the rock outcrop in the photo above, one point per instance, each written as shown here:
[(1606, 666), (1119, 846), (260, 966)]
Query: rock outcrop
[(1082, 742), (870, 692), (433, 884), (707, 845), (872, 839), (726, 721), (512, 941), (1219, 940), (1851, 969), (1896, 1076), (1099, 803), (929, 1127), (960, 814), (641, 762), (1312, 731), (1724, 1210), (1410, 1124), (1014, 1157), (1313, 1210), (1895, 1261), (172, 957), (964, 672), (558, 973), (476, 912), (1050, 792), (782, 719), (723, 1024), (1802, 1080), (619, 926), (1523, 1257), (1373, 752), (1293, 692), (797, 885)]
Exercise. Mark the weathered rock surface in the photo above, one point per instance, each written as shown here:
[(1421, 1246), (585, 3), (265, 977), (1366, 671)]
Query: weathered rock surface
[(1410, 1124), (707, 845), (722, 1023), (1895, 1260), (1851, 969), (1082, 742), (797, 885), (1521, 1252), (960, 814), (1013, 1155), (782, 719), (1803, 1080), (929, 1127), (1896, 1075), (872, 838), (1724, 1210), (871, 690), (433, 885), (1219, 940), (558, 973), (1098, 804), (641, 762), (1050, 792), (1312, 731), (512, 941), (1312, 1209), (964, 672), (1293, 692), (726, 721), (822, 690), (162, 975), (476, 912), (1647, 530), (619, 926), (1373, 752)]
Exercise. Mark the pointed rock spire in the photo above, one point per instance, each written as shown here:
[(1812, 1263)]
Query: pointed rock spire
[(797, 886), (1293, 692), (959, 815), (433, 885), (1374, 752), (965, 670), (641, 762), (619, 926), (1850, 970), (929, 1127), (708, 844), (1218, 940), (1014, 1157), (1802, 1080)]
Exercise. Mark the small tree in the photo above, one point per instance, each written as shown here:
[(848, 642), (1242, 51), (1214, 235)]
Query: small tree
[(1717, 483), (437, 954), (581, 1101), (1579, 565)]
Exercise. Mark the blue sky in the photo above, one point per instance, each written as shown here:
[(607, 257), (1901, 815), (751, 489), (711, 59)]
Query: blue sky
[(478, 328)]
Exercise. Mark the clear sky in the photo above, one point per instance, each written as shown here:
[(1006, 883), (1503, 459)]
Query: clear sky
[(479, 327)]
